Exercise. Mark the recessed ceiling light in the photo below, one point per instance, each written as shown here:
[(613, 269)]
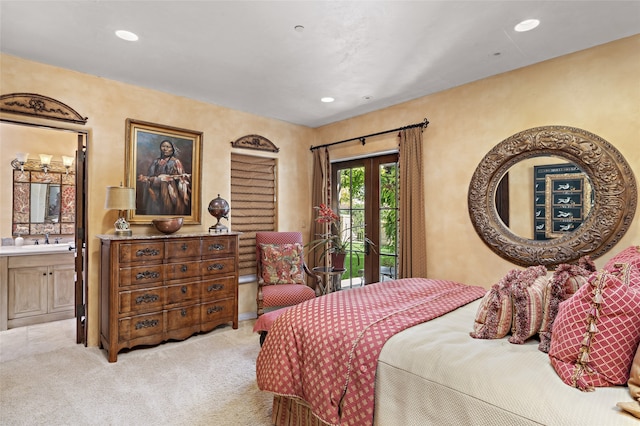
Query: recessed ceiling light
[(299, 28), (527, 25), (127, 35), (327, 99)]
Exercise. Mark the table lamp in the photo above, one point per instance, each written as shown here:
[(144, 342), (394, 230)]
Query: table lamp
[(121, 198)]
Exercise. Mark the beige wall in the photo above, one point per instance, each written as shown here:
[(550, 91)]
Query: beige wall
[(34, 141), (596, 90)]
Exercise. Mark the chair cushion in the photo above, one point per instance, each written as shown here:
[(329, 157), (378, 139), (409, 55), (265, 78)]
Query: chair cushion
[(282, 263), (285, 294), (265, 320)]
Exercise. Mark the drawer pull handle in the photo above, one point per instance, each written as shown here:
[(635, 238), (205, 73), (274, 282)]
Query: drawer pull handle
[(184, 268), (147, 298), (147, 275), (184, 289), (216, 266), (214, 309), (185, 247), (216, 247), (216, 287), (147, 252), (183, 312), (146, 324)]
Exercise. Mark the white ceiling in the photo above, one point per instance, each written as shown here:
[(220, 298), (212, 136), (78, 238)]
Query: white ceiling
[(247, 56)]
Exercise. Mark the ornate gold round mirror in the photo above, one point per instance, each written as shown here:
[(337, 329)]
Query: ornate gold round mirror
[(596, 165)]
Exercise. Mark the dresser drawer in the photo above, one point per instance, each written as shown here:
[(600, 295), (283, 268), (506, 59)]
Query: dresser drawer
[(181, 249), (141, 275), (218, 311), (178, 271), (218, 246), (179, 293), (141, 252), (212, 267), (140, 326), (220, 288), (186, 317), (141, 300)]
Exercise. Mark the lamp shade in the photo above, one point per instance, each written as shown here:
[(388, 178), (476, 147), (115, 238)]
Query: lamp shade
[(120, 198), (67, 161), (45, 159), (22, 156)]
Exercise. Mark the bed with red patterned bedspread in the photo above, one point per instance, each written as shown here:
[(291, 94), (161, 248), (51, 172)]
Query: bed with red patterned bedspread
[(325, 351)]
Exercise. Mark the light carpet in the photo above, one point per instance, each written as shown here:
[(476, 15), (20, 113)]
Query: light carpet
[(208, 379)]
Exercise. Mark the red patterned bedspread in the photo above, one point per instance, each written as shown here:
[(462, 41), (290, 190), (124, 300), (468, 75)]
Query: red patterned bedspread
[(325, 351)]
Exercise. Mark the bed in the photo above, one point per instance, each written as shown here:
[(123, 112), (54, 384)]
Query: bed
[(427, 371)]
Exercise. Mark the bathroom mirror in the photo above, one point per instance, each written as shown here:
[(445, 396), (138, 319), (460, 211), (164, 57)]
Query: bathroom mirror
[(43, 202), (612, 201)]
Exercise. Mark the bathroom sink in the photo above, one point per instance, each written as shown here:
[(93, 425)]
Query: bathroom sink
[(37, 248), (47, 247)]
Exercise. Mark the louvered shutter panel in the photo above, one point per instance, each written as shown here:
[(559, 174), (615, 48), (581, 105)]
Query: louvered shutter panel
[(253, 203)]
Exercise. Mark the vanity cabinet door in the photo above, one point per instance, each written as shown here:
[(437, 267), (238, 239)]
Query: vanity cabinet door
[(28, 291), (61, 294)]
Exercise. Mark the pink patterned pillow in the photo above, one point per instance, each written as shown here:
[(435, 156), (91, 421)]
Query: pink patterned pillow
[(526, 294), (493, 319), (629, 255), (564, 282), (282, 263), (597, 331)]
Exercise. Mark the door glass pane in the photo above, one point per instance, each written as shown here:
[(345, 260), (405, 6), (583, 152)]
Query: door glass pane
[(351, 203), (388, 214)]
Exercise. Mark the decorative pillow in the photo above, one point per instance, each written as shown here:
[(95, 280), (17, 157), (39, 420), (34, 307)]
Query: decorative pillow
[(564, 282), (634, 388), (634, 377), (597, 331), (282, 263), (526, 294), (493, 319), (629, 255)]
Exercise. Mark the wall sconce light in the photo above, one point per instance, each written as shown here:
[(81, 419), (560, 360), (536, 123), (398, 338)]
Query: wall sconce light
[(67, 162), (22, 158), (45, 161), (121, 198)]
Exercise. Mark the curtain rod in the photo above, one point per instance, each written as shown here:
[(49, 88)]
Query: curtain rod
[(422, 124)]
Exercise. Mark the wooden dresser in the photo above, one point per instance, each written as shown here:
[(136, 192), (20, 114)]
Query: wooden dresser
[(157, 288)]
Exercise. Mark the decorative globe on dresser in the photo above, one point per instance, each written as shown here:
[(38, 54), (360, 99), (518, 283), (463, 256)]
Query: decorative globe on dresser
[(219, 208)]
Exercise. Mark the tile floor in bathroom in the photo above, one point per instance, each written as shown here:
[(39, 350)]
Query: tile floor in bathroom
[(34, 339)]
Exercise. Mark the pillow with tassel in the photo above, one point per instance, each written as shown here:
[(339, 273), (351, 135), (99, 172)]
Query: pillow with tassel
[(597, 331), (564, 282), (493, 319), (526, 294)]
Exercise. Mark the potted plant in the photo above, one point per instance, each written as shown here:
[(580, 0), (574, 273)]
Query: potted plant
[(336, 242)]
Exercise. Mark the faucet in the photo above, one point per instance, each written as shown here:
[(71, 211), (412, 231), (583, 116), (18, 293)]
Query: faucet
[(46, 238)]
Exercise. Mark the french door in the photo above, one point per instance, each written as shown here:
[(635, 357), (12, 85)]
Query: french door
[(365, 196)]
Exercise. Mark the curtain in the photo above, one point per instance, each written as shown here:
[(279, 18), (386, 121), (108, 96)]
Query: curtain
[(412, 261), (321, 186)]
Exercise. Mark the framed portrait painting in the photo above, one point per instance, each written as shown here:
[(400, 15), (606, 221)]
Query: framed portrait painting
[(163, 165)]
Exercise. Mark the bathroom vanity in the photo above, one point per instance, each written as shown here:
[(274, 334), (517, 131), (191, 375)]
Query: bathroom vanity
[(37, 284)]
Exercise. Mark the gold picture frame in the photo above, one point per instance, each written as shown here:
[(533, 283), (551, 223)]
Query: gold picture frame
[(163, 164)]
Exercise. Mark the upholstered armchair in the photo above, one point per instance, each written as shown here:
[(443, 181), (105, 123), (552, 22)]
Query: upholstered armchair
[(283, 277)]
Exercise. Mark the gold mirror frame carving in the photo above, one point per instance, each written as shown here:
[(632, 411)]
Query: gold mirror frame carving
[(612, 180)]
